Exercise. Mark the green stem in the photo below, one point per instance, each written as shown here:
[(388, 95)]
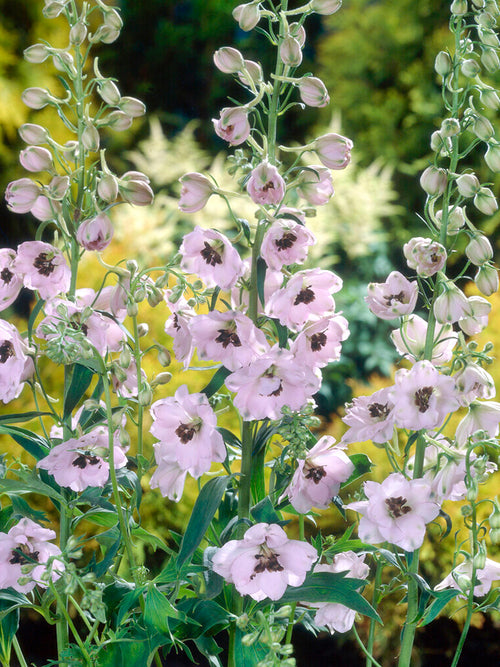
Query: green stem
[(246, 470), (70, 623), (370, 659), (18, 652), (371, 631), (140, 408)]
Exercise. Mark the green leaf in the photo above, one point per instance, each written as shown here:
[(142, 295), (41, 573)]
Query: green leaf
[(209, 648), (331, 587), (362, 465), (33, 315), (204, 511), (153, 540), (99, 517), (261, 278), (264, 512), (157, 610), (21, 508), (216, 382), (22, 417), (81, 378), (34, 444), (442, 599), (229, 437), (34, 485), (248, 656)]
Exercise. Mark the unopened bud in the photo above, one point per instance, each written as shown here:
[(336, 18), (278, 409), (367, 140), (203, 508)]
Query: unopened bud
[(283, 612), (124, 438), (118, 121), (247, 15), (228, 60), (482, 128), (145, 395), (433, 180), (443, 64), (125, 357), (107, 188), (164, 356), (58, 187), (325, 7), (439, 143), (78, 33), (155, 297), (249, 639), (132, 309), (464, 583), (108, 91), (290, 52), (485, 201), (313, 91), (35, 98), (142, 329), (53, 9), (118, 373), (468, 185), (33, 134), (36, 158), (490, 99), (132, 107), (480, 558), (492, 157), (490, 60), (162, 378), (459, 7), (486, 279), (488, 37), (470, 68), (450, 127), (37, 53), (90, 138), (479, 250)]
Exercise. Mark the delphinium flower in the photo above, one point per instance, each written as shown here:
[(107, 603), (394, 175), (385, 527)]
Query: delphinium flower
[(43, 268), (334, 616), (265, 185), (394, 298), (25, 552), (482, 416), (307, 294), (320, 341), (10, 281), (95, 233), (286, 241), (230, 337), (195, 192), (185, 424), (422, 396), (15, 365), (396, 511), (318, 477), (315, 185), (233, 125), (370, 418), (409, 340), (471, 382), (264, 562), (212, 257), (426, 256), (270, 382), (81, 462), (177, 326), (460, 578)]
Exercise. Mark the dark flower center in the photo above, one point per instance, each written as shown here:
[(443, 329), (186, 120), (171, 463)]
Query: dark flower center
[(22, 555), (185, 433), (267, 560), (434, 258), (397, 506), (44, 263), (316, 473), (6, 351), (318, 340), (175, 321), (227, 337), (305, 295), (210, 255), (6, 276), (83, 460), (378, 411), (286, 241), (395, 298), (268, 186), (422, 397), (77, 325)]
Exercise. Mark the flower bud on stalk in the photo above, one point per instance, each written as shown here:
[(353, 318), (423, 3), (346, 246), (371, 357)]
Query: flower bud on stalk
[(450, 127), (485, 201), (228, 60), (195, 192), (433, 181), (109, 92), (313, 91), (90, 138), (118, 121), (33, 134), (132, 107), (35, 98), (443, 64), (247, 15), (490, 99), (492, 157), (451, 304), (459, 7), (36, 158), (95, 233), (333, 150), (490, 60), (107, 188), (37, 53), (479, 250), (290, 52), (134, 188), (325, 7), (78, 33), (468, 185), (470, 68), (486, 279), (482, 128)]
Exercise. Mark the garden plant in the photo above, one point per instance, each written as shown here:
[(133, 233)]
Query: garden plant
[(247, 313)]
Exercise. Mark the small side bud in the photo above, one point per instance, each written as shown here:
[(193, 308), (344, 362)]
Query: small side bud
[(443, 64), (37, 53)]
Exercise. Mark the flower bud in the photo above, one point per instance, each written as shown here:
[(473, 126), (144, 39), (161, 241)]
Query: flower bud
[(492, 157), (33, 134), (495, 535), (35, 98), (108, 91), (164, 357), (162, 378), (132, 309), (468, 185), (135, 189), (21, 195), (290, 52), (64, 61), (154, 296), (479, 250), (195, 192), (440, 144), (450, 127), (70, 150), (90, 138), (252, 74), (104, 34), (53, 8), (36, 158), (488, 37), (482, 128), (333, 150), (132, 107), (494, 518), (456, 220), (37, 53), (313, 91), (78, 33), (433, 180), (485, 201), (247, 15), (57, 187), (124, 438), (490, 99), (459, 7), (490, 60), (486, 279), (228, 60), (95, 233), (470, 68), (118, 121), (325, 7), (451, 304), (142, 329), (125, 357), (45, 209), (443, 64), (298, 31), (107, 188), (145, 395)]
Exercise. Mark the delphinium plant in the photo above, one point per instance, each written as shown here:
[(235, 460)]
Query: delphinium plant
[(243, 302)]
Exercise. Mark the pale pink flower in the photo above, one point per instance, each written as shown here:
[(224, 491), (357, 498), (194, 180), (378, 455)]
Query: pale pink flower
[(177, 326), (228, 60), (370, 418), (290, 51), (473, 382), (313, 92), (318, 477), (335, 616), (308, 294), (315, 185), (270, 382), (45, 209), (486, 279), (169, 477), (10, 282), (286, 241), (15, 365), (333, 150), (36, 158), (394, 298), (212, 257), (135, 189), (185, 425), (95, 233), (266, 185), (451, 305), (422, 397), (79, 463), (264, 562), (129, 386), (251, 75), (475, 317), (196, 190), (481, 416), (426, 256), (230, 337), (233, 125), (43, 268), (320, 342), (247, 15), (21, 195), (325, 6), (485, 576), (27, 544), (479, 250), (410, 338), (396, 511)]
